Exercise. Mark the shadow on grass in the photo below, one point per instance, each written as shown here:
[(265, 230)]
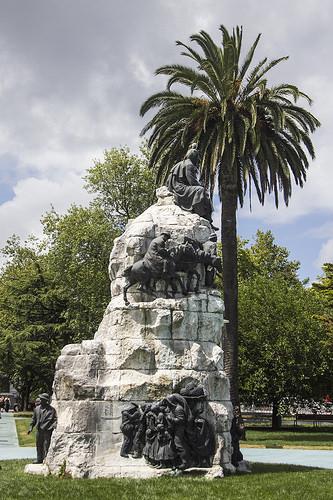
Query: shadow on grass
[(259, 468)]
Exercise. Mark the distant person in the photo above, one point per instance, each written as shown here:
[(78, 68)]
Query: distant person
[(7, 405), (45, 420)]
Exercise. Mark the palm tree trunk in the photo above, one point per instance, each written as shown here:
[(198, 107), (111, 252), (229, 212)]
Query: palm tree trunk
[(230, 282), (230, 287)]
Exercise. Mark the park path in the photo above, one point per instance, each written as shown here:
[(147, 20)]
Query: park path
[(308, 458), (9, 446)]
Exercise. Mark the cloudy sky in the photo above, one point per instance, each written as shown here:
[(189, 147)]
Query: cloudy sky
[(73, 74)]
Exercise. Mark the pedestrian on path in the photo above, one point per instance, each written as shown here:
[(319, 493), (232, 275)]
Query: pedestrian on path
[(7, 405)]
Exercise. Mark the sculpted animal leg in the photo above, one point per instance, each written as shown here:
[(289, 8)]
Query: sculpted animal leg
[(181, 284), (197, 275), (166, 288), (126, 287), (189, 281), (174, 288)]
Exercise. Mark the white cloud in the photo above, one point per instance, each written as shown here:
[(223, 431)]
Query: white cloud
[(325, 254), (32, 197), (141, 72)]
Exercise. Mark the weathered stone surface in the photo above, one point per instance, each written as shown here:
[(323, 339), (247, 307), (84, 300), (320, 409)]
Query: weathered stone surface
[(75, 452), (210, 327), (142, 352), (38, 469), (71, 350)]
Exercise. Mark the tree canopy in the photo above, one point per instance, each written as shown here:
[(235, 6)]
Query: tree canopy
[(123, 184), (282, 341), (32, 318)]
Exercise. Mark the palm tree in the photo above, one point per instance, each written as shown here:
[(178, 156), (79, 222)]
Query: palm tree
[(248, 134)]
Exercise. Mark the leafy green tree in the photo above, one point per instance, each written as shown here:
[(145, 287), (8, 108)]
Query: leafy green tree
[(282, 342), (249, 134), (32, 319), (79, 248), (324, 289), (123, 184), (266, 257)]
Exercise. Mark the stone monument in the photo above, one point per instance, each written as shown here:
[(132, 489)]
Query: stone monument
[(156, 356)]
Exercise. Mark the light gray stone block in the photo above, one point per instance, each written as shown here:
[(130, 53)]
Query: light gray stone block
[(38, 469)]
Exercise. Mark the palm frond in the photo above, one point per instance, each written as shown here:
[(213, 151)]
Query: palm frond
[(240, 123)]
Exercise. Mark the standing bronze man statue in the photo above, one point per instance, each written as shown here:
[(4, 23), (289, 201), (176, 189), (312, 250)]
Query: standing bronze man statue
[(45, 420)]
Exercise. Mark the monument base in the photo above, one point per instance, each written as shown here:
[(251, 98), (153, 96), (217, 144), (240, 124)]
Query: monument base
[(116, 467)]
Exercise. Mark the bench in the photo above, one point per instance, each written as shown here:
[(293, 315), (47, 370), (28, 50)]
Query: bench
[(315, 418)]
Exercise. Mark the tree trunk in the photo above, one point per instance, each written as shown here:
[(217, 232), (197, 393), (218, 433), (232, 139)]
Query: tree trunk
[(228, 188), (26, 397), (276, 419)]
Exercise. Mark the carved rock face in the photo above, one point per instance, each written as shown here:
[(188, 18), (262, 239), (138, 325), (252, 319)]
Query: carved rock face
[(132, 245), (141, 353)]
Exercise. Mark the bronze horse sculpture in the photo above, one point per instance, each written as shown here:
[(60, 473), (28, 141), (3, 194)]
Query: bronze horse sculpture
[(180, 259), (142, 274)]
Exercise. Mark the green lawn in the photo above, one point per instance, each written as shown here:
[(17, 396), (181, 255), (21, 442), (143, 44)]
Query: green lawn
[(27, 414), (267, 482), (22, 426), (302, 436)]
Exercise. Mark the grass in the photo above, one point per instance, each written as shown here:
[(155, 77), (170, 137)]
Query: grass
[(19, 414), (267, 482), (320, 437), (22, 426)]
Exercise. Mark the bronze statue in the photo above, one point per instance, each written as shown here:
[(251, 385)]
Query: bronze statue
[(45, 420), (157, 264), (157, 257), (179, 417), (130, 422), (186, 187), (236, 432), (160, 263), (140, 434), (172, 433), (210, 249)]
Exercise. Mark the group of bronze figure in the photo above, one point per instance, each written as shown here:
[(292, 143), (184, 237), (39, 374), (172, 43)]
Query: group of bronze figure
[(162, 263), (171, 433), (164, 259)]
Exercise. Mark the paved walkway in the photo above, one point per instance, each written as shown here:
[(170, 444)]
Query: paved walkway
[(9, 446), (309, 458)]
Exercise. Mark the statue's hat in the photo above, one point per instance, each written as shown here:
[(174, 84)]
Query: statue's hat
[(44, 396)]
